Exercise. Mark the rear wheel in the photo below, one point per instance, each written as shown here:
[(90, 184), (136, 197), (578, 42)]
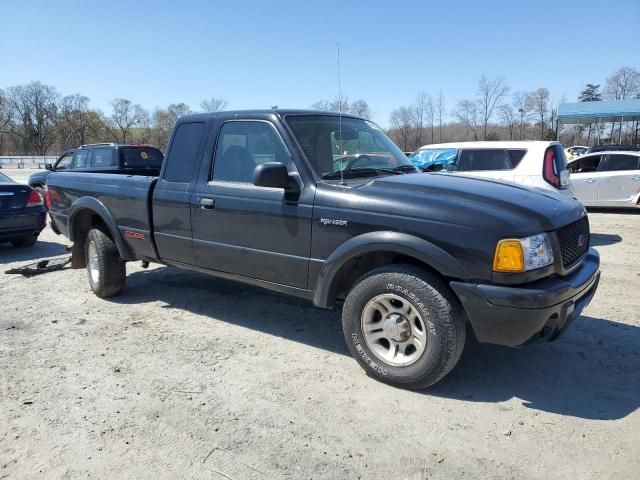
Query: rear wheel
[(404, 326), (105, 269), (26, 241)]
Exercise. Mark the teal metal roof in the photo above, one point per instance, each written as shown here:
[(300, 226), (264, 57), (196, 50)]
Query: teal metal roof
[(607, 111)]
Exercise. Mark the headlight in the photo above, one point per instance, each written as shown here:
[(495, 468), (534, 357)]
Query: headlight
[(523, 254)]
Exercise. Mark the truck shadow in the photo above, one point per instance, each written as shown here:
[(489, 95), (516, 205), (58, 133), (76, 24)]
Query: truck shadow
[(592, 372), (602, 239), (42, 249)]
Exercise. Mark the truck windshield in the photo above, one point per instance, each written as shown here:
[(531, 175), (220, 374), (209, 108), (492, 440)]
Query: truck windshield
[(343, 147), (141, 157)]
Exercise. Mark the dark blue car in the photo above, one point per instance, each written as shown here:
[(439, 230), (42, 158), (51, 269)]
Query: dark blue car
[(22, 213)]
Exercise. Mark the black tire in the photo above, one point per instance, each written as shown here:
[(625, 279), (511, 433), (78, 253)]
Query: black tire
[(25, 242), (110, 275), (442, 315)]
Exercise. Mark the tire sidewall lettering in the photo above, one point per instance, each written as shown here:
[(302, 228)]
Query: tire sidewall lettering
[(417, 302)]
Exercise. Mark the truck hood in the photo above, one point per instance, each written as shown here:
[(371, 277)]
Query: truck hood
[(470, 201)]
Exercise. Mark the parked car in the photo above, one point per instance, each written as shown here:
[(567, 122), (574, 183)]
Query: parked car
[(533, 163), (613, 148), (102, 157), (22, 213), (255, 196), (575, 151), (607, 179)]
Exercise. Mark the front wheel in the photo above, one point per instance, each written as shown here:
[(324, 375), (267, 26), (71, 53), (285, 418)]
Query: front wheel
[(105, 269), (404, 326)]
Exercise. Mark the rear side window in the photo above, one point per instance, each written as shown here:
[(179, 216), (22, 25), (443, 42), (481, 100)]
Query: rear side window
[(184, 152), (484, 159), (613, 163), (516, 156), (104, 157), (140, 157)]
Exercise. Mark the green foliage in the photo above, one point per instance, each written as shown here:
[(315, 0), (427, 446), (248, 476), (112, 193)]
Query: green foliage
[(492, 137), (591, 93)]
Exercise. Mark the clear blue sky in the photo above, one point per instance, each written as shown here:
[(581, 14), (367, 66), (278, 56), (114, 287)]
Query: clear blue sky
[(259, 53)]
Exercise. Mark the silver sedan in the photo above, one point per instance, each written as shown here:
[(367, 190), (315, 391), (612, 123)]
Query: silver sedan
[(607, 179)]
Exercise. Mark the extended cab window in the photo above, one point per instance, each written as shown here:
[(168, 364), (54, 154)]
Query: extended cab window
[(613, 163), (184, 152), (141, 157), (80, 159), (243, 145), (484, 159), (103, 157)]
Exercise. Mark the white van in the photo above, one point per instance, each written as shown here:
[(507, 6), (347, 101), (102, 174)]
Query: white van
[(539, 164)]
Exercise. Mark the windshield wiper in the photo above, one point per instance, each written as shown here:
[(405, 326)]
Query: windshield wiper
[(406, 169), (359, 172)]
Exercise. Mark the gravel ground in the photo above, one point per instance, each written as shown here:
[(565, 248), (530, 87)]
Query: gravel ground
[(187, 376)]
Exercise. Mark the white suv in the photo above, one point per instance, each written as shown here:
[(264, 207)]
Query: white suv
[(532, 163)]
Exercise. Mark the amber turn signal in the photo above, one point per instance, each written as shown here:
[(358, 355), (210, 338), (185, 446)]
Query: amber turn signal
[(509, 256)]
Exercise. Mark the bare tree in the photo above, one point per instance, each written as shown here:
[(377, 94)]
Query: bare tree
[(77, 116), (421, 115), (624, 83), (402, 121), (5, 118), (322, 105), (124, 117), (510, 118), (490, 94), (521, 106), (538, 103), (361, 109), (33, 112), (469, 114), (213, 104), (440, 109)]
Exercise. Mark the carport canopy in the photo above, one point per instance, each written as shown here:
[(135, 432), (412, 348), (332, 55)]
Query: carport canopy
[(605, 111)]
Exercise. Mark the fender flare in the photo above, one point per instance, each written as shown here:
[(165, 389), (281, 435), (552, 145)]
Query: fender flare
[(382, 241), (95, 206)]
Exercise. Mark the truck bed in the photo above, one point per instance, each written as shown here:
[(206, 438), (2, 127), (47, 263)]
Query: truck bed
[(126, 196)]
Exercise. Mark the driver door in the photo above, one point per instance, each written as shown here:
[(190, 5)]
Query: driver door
[(584, 178), (242, 229)]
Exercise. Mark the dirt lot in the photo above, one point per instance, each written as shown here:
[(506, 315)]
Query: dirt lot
[(186, 376)]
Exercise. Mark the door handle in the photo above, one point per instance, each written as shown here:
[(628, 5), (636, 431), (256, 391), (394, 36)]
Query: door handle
[(207, 203), (635, 178), (589, 180)]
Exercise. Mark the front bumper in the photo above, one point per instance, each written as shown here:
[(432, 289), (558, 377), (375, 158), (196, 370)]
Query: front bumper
[(538, 311)]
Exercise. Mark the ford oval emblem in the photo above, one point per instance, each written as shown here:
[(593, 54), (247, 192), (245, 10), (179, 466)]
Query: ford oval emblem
[(581, 240)]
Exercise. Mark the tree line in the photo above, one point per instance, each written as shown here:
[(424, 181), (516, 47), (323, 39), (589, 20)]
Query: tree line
[(496, 113), (35, 119)]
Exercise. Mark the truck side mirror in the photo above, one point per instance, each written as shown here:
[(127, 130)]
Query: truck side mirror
[(271, 174), (48, 166)]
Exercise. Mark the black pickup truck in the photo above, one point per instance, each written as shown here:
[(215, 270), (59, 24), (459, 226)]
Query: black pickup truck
[(325, 207)]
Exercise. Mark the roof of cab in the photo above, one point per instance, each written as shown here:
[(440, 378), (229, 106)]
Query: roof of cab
[(258, 113), (493, 144)]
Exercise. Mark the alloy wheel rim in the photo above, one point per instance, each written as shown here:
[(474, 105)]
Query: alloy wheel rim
[(92, 255), (394, 330)]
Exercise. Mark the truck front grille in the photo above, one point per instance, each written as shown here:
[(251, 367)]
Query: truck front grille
[(574, 241)]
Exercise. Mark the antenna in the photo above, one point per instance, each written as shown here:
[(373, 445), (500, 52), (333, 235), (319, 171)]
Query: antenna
[(340, 115)]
